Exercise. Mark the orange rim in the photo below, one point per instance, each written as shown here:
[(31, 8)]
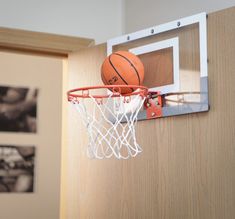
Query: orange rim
[(84, 91)]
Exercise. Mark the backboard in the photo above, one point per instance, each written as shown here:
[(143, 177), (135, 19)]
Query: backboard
[(175, 60)]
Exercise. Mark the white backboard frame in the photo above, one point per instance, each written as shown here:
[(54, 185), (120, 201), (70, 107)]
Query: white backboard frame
[(194, 19), (179, 109)]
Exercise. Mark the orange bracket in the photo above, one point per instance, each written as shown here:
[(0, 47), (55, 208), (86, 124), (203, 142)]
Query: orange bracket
[(154, 106)]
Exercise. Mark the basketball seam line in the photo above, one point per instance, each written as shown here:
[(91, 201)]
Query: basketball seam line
[(118, 72), (130, 64)]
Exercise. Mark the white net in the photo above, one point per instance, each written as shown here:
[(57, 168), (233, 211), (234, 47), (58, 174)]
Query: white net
[(104, 120)]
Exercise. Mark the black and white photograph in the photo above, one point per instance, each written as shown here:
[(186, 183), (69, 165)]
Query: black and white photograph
[(16, 169), (18, 109)]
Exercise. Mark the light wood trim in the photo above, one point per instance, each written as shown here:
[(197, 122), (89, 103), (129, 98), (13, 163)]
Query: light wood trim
[(64, 158), (30, 41)]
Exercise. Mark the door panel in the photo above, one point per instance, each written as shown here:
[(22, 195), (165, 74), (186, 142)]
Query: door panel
[(186, 169)]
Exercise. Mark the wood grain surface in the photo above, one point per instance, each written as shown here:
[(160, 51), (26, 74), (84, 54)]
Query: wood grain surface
[(187, 168), (158, 67)]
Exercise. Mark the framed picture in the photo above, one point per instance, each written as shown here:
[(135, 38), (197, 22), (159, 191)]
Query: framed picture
[(18, 109), (16, 168)]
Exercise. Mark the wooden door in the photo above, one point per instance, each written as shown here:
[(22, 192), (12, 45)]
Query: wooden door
[(187, 168)]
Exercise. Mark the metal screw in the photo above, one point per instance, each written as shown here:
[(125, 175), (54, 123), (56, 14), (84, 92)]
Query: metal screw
[(153, 114), (178, 23), (128, 37), (152, 31), (148, 104)]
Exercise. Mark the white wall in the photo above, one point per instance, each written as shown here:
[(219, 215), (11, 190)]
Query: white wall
[(30, 71), (143, 14), (97, 19)]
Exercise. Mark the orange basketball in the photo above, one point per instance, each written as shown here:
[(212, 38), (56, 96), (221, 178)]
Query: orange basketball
[(122, 68)]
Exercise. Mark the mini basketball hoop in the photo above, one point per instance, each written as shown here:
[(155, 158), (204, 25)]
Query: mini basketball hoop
[(110, 117), (102, 115)]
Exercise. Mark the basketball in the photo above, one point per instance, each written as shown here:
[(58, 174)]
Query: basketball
[(122, 68)]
